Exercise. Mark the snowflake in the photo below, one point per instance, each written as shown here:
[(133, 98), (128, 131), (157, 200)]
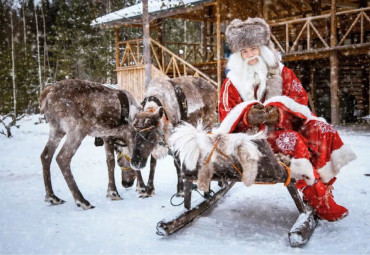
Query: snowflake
[(325, 127), (286, 141), (297, 86)]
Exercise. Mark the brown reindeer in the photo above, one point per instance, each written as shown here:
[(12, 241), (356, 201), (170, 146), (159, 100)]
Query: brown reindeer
[(75, 109), (167, 103)]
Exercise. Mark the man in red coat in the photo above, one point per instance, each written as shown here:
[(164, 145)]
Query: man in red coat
[(260, 93)]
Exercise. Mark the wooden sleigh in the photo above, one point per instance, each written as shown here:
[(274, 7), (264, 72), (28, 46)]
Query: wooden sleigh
[(270, 171)]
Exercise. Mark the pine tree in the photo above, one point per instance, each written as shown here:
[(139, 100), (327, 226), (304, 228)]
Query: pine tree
[(68, 46)]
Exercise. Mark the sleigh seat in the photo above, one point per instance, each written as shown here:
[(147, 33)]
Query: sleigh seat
[(270, 171)]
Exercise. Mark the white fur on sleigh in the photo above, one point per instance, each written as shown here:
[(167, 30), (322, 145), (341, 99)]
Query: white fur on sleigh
[(195, 145)]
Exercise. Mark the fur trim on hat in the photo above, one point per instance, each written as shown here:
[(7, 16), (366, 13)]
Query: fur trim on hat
[(248, 33)]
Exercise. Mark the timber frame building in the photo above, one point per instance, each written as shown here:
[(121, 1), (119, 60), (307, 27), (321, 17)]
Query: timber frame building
[(326, 43)]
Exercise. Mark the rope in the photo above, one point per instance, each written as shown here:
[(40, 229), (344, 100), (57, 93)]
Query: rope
[(234, 166), (193, 187), (212, 151), (127, 158), (223, 154), (288, 179), (176, 195), (288, 170)]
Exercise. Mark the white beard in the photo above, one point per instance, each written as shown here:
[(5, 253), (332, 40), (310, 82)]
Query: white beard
[(245, 77)]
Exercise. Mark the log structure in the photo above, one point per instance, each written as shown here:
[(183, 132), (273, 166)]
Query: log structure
[(324, 38)]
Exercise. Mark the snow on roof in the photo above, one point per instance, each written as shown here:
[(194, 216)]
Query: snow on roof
[(136, 10)]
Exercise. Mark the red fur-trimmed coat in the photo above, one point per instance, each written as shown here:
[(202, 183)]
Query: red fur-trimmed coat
[(311, 141)]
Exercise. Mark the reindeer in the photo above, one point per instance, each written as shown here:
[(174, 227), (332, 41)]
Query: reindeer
[(75, 109), (167, 103)]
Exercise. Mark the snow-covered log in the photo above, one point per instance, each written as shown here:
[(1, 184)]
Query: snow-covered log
[(302, 229)]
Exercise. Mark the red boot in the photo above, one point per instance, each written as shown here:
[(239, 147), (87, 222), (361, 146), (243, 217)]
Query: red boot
[(319, 196)]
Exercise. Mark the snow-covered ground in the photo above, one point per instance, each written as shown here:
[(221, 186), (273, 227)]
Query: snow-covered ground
[(248, 220)]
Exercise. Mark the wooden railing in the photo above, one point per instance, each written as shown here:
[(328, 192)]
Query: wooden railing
[(195, 53), (313, 33), (162, 58)]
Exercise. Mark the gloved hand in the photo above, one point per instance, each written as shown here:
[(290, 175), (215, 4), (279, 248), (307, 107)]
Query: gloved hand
[(256, 115), (272, 115)]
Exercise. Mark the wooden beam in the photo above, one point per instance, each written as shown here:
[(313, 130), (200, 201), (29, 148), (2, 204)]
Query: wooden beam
[(265, 9), (312, 88), (117, 46), (146, 43), (295, 6), (342, 4), (272, 8), (334, 63), (161, 30), (218, 6), (344, 50), (205, 30), (316, 7)]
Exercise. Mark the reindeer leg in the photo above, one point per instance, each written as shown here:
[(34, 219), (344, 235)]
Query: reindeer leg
[(63, 159), (180, 178), (112, 192), (150, 187), (46, 157), (140, 185)]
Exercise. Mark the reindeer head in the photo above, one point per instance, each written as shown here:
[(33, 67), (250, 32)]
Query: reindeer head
[(147, 125), (123, 146)]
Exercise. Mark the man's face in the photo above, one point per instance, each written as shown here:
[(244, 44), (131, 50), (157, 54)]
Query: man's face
[(250, 53)]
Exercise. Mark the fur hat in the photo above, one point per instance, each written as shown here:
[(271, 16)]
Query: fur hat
[(251, 32)]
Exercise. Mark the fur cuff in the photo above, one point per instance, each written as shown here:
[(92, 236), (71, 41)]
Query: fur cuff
[(301, 169), (234, 116)]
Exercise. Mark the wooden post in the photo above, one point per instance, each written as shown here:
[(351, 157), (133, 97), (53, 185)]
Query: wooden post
[(204, 31), (316, 7), (265, 9), (218, 46), (334, 63), (161, 31), (146, 42), (117, 46), (260, 8), (312, 88)]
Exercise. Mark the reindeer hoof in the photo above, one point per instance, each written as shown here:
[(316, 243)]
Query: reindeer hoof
[(141, 190), (113, 195), (180, 194), (147, 193), (54, 200), (84, 205)]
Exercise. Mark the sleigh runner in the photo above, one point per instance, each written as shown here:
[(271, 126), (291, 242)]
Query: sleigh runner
[(270, 171)]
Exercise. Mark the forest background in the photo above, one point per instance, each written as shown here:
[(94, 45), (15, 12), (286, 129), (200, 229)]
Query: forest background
[(45, 41)]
